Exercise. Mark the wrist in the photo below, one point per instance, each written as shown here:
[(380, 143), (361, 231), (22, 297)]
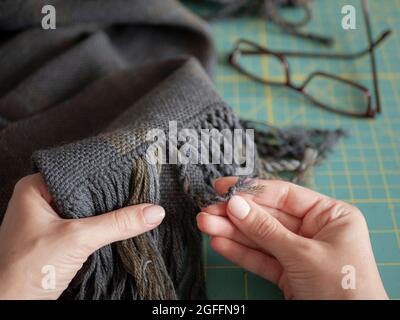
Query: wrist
[(16, 284), (9, 289)]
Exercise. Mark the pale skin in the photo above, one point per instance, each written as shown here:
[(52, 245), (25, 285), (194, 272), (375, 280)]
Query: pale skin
[(290, 235), (32, 235), (296, 238)]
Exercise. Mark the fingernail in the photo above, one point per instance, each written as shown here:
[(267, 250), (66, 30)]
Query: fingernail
[(200, 214), (153, 214), (238, 207)]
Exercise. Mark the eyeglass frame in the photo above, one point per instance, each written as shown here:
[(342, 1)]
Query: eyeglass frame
[(281, 55)]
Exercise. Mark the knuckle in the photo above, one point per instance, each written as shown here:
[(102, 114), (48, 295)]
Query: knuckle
[(331, 210), (74, 238), (344, 206), (305, 247), (264, 226), (358, 216), (283, 197), (73, 231), (123, 220), (22, 183), (349, 210), (328, 210)]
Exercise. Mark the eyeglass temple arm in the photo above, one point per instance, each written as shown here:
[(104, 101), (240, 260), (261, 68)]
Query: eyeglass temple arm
[(292, 27), (364, 4), (324, 40), (354, 55)]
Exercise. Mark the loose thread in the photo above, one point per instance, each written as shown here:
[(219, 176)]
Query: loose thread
[(244, 184)]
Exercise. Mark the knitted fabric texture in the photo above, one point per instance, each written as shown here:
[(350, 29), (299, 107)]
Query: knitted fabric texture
[(81, 99)]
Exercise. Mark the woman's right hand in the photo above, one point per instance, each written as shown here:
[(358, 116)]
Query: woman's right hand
[(310, 245)]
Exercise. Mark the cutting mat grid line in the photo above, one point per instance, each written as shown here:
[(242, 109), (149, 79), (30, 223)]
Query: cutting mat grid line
[(365, 168)]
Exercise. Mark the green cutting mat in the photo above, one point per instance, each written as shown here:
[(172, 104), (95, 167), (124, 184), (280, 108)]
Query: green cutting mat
[(365, 168)]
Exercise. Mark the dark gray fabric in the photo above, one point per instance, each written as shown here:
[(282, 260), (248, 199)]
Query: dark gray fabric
[(111, 70), (58, 86)]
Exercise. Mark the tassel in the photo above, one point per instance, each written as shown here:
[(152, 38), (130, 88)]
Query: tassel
[(140, 256), (291, 150)]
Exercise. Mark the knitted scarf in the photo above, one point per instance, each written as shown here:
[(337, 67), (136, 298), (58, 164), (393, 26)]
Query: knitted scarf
[(78, 102)]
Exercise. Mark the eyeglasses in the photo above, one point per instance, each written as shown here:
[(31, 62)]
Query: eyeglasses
[(316, 86)]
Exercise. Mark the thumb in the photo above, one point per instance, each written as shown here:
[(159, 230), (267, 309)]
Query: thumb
[(261, 227), (119, 225)]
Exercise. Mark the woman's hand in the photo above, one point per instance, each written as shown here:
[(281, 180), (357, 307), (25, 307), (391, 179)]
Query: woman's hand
[(311, 246), (34, 240)]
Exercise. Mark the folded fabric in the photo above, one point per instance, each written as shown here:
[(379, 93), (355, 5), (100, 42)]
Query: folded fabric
[(82, 99)]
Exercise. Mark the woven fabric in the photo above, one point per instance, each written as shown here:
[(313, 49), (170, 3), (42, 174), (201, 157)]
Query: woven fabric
[(106, 176), (111, 71)]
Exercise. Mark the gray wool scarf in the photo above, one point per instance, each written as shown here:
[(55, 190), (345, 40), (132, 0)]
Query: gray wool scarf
[(76, 104)]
